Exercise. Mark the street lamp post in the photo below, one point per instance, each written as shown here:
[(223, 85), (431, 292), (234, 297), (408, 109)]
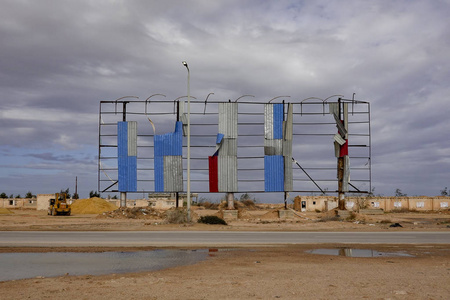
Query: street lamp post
[(188, 144)]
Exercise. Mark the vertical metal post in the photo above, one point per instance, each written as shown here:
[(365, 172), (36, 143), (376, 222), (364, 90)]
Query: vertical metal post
[(123, 195), (340, 171), (99, 146), (285, 200), (188, 144)]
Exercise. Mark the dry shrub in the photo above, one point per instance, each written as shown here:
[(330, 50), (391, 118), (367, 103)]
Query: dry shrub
[(209, 205), (249, 203)]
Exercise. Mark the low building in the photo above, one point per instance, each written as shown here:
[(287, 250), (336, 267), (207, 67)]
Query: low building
[(18, 203)]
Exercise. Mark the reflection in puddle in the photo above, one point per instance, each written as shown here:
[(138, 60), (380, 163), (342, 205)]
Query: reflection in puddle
[(349, 252), (29, 265)]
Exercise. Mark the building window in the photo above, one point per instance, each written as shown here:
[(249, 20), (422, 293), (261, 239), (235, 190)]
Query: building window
[(11, 202), (420, 204), (444, 204), (314, 202), (397, 204)]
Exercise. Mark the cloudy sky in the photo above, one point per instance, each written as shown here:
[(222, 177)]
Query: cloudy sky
[(58, 59)]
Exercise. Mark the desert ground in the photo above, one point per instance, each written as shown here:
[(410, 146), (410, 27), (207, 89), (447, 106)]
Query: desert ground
[(285, 272)]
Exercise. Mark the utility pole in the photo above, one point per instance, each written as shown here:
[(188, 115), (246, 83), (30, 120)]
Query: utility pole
[(76, 187)]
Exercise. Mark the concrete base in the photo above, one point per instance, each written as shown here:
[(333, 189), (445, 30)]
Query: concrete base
[(230, 214), (285, 214)]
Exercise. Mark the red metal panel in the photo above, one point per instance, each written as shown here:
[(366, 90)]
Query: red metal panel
[(344, 149), (213, 174)]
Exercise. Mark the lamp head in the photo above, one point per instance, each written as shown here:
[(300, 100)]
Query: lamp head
[(185, 64)]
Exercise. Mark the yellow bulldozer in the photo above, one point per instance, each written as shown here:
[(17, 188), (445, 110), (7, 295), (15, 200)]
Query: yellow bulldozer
[(59, 205)]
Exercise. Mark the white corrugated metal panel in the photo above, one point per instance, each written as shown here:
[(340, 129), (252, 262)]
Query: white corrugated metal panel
[(228, 147), (340, 126), (273, 147), (227, 173), (288, 182), (228, 119), (346, 120), (173, 173), (346, 176), (337, 149), (268, 121), (132, 138), (287, 148), (339, 139), (333, 108), (288, 124)]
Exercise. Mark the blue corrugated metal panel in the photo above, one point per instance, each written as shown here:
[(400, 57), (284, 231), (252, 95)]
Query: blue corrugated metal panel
[(278, 121), (159, 173), (274, 173), (122, 153), (122, 170), (158, 145), (132, 174), (169, 143), (177, 143), (122, 138)]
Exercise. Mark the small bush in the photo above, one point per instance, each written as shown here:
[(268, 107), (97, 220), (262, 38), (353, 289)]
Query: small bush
[(248, 202), (212, 220)]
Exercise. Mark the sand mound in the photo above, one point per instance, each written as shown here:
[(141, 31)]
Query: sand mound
[(5, 211), (92, 206)]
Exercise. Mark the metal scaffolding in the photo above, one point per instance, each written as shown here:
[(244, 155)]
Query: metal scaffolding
[(237, 132)]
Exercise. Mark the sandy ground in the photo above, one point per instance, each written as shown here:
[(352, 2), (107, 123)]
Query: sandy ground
[(252, 273), (262, 219)]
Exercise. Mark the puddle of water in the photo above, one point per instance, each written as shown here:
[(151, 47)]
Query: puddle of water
[(349, 252), (29, 265)]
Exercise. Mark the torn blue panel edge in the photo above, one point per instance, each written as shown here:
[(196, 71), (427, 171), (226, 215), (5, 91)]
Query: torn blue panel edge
[(169, 143), (122, 155), (278, 121), (177, 143), (219, 138), (274, 173), (132, 174), (159, 173)]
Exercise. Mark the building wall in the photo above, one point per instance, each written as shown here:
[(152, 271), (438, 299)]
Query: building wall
[(18, 203), (387, 204), (42, 201)]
